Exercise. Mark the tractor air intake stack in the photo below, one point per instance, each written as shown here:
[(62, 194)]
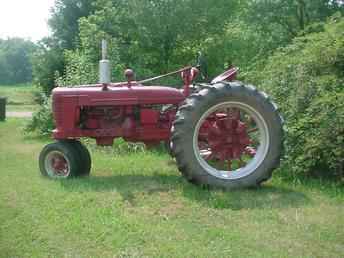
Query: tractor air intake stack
[(104, 67)]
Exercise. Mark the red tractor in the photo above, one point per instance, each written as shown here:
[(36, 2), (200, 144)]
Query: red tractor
[(224, 133)]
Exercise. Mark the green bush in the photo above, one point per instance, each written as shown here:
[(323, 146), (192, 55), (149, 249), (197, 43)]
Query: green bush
[(316, 141), (79, 70), (42, 120), (47, 61), (306, 78)]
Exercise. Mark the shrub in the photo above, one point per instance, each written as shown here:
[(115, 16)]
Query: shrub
[(42, 120), (316, 139), (47, 60), (306, 78), (79, 69)]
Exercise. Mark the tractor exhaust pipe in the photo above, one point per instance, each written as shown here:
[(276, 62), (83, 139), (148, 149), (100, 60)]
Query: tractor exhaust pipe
[(104, 66)]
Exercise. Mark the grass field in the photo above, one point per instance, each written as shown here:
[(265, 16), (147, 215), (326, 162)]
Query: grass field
[(139, 206), (19, 97)]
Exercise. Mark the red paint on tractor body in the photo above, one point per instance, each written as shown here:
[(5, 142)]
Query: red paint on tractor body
[(229, 75), (127, 109), (117, 112)]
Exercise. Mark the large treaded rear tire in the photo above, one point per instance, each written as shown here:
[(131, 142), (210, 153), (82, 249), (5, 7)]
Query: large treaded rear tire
[(190, 113)]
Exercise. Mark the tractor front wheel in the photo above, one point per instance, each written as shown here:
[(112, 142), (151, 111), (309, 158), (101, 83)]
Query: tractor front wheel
[(227, 135), (85, 158), (59, 160)]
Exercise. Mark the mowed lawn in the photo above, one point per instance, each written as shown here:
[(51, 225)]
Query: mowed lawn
[(139, 206), (19, 97)]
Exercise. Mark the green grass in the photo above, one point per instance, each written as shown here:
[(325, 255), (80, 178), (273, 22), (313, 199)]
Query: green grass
[(19, 97), (139, 206)]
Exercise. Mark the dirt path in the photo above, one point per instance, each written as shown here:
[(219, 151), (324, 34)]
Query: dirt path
[(19, 114)]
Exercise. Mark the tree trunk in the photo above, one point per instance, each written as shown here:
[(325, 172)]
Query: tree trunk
[(301, 13)]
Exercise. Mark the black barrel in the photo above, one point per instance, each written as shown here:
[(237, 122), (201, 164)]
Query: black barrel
[(2, 108)]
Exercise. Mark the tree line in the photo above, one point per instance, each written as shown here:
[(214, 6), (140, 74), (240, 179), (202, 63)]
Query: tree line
[(15, 61), (157, 36)]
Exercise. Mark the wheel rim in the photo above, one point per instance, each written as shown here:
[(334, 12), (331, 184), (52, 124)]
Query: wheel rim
[(231, 140), (57, 165)]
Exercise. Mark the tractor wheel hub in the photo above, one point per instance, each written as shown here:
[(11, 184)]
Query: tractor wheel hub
[(228, 138)]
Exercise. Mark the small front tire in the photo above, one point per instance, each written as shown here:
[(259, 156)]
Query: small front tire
[(59, 160)]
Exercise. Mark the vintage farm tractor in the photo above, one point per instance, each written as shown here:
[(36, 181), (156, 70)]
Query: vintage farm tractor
[(223, 133)]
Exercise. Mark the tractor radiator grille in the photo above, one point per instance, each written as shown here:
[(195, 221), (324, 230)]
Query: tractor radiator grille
[(57, 111)]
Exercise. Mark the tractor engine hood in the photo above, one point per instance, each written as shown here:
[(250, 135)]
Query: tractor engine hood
[(119, 95)]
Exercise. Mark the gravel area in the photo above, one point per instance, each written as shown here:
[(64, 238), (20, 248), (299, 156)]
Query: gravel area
[(19, 114)]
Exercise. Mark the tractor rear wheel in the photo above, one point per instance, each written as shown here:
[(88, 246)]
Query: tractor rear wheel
[(227, 135), (59, 160)]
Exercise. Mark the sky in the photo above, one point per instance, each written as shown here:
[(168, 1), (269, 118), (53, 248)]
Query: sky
[(25, 18)]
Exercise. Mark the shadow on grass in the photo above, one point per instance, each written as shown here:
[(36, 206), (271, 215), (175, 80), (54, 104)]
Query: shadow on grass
[(264, 197), (128, 186), (323, 182)]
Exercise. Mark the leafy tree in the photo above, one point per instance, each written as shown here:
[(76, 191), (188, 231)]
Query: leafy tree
[(159, 35), (152, 36), (47, 61), (15, 63), (65, 18), (172, 32), (288, 17)]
